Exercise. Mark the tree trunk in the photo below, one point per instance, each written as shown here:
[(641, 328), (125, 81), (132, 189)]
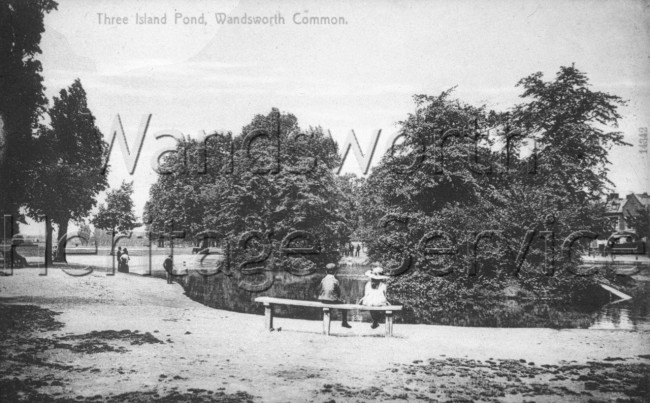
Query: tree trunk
[(48, 241), (112, 250), (10, 229), (60, 250), (7, 228), (11, 224)]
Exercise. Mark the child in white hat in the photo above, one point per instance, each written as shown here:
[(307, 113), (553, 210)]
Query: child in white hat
[(375, 293)]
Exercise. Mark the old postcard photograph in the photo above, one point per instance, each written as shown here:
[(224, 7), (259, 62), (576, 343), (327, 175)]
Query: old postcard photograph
[(310, 201)]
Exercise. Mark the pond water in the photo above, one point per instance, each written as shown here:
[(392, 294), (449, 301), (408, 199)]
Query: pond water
[(633, 314), (222, 292)]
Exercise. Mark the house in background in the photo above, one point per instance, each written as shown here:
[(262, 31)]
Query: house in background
[(619, 208)]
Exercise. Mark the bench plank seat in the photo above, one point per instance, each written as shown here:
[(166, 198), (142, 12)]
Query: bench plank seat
[(269, 301)]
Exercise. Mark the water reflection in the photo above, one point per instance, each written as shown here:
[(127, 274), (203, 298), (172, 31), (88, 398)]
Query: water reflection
[(613, 318), (633, 314), (221, 291)]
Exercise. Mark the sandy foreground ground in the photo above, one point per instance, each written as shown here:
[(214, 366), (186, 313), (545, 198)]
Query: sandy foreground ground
[(133, 338)]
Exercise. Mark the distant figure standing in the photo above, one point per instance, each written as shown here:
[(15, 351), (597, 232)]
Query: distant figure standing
[(330, 292), (124, 261), (351, 249), (168, 265), (118, 254), (375, 293), (358, 249)]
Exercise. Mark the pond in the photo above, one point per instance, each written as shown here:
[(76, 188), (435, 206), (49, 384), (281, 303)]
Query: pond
[(221, 291)]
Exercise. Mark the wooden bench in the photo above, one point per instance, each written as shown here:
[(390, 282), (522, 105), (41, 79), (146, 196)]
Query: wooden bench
[(270, 301)]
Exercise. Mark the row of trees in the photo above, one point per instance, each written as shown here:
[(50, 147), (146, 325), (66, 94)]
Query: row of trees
[(414, 190), (52, 155)]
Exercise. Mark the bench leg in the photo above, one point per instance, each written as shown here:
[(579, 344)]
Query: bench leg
[(268, 316), (326, 321), (389, 323)]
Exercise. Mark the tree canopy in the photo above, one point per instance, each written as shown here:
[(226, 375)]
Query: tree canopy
[(117, 214), (67, 177), (277, 180), (541, 166), (22, 101)]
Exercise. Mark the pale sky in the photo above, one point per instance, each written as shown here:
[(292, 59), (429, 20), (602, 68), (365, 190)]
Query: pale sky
[(359, 75)]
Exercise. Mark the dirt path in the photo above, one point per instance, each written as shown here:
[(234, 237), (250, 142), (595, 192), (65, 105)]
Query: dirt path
[(132, 338)]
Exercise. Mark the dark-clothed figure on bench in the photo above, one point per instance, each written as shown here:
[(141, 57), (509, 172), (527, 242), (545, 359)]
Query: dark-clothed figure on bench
[(330, 292)]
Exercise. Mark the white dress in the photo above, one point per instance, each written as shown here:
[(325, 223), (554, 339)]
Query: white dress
[(375, 296)]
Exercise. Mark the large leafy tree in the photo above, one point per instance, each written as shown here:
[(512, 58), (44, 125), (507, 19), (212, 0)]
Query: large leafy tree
[(416, 189), (454, 192), (350, 186), (252, 192), (22, 101), (67, 176), (573, 128), (178, 194), (117, 214)]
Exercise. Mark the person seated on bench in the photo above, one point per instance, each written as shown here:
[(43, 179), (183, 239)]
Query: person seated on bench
[(330, 292), (375, 293)]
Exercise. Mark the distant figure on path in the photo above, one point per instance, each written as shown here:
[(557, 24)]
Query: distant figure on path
[(375, 293), (118, 254), (124, 261), (168, 265), (351, 249), (358, 249), (330, 292)]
